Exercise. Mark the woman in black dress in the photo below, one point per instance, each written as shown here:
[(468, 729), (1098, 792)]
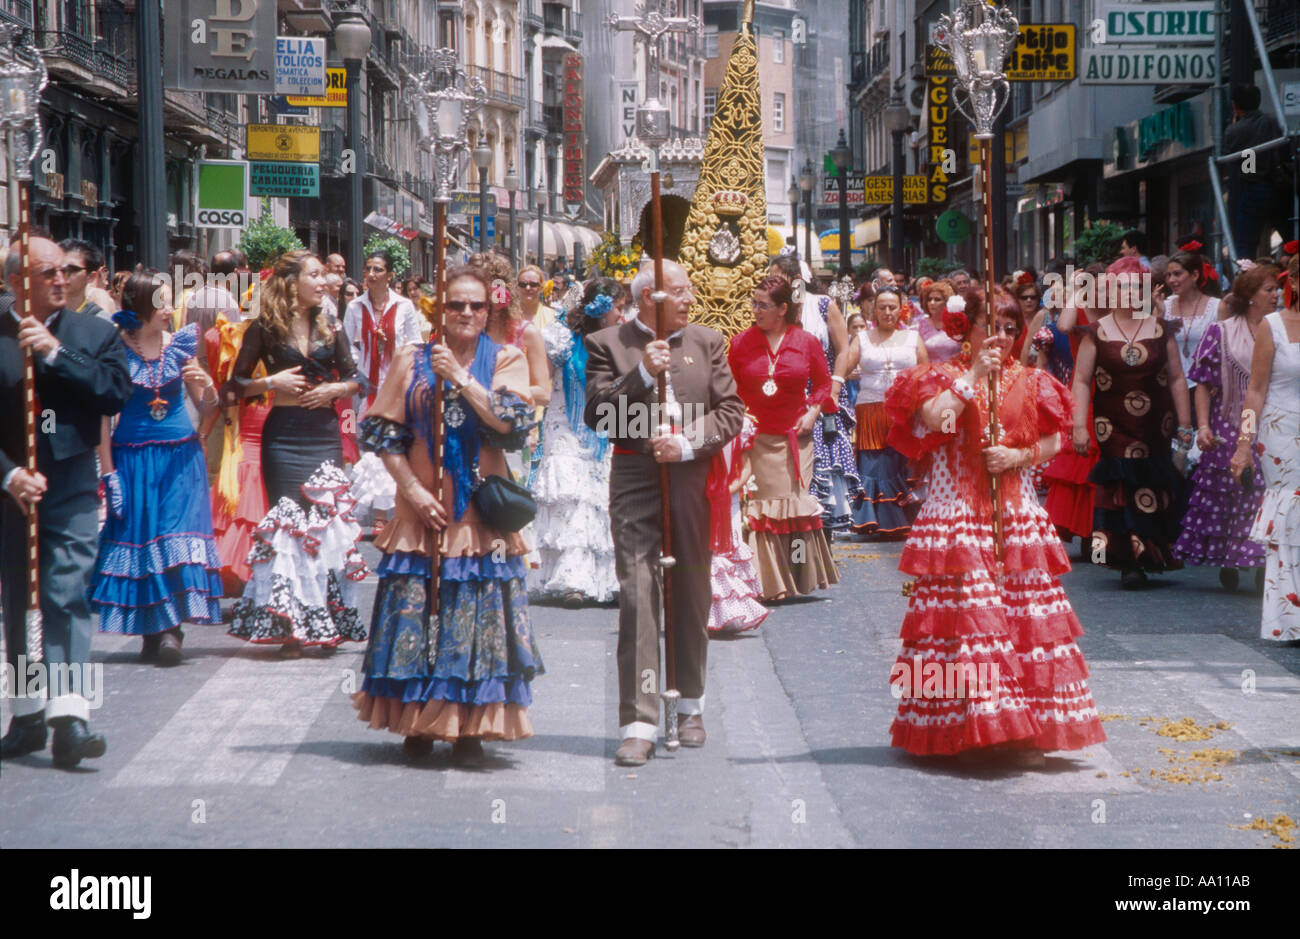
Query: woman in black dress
[(304, 559)]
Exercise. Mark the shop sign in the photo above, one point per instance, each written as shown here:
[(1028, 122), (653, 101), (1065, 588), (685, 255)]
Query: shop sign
[(283, 142), (574, 177), (1044, 52), (1159, 23), (1130, 66), (336, 92), (221, 197), (879, 190), (1174, 123), (285, 180), (300, 66), (938, 105), (222, 46)]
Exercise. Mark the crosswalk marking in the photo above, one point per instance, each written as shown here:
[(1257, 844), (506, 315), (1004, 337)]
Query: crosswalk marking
[(241, 727)]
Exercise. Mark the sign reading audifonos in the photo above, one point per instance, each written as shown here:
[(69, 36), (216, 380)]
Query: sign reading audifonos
[(225, 46)]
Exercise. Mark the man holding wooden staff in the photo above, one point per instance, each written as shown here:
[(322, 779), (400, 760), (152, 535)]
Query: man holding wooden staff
[(703, 414), (81, 376)]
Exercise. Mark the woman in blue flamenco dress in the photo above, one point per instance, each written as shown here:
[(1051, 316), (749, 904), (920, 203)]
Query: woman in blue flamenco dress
[(158, 565), (460, 672)]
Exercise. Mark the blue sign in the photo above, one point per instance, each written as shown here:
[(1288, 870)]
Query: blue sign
[(491, 226)]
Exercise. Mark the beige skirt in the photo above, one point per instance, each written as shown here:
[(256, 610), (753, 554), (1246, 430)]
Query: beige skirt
[(784, 521)]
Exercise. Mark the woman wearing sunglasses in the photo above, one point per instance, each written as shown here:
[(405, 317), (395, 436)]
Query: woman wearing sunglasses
[(531, 307), (464, 676), (1021, 684), (302, 588)]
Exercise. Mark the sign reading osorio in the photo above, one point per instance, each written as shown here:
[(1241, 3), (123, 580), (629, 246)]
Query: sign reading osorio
[(221, 46)]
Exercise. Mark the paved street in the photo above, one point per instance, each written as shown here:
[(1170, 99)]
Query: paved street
[(236, 748)]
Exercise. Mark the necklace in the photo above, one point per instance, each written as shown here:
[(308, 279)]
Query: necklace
[(454, 412), (1187, 320), (158, 407), (1130, 353), (769, 386)]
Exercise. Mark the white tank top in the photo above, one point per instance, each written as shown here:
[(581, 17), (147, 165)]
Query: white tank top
[(880, 364), (1284, 380)]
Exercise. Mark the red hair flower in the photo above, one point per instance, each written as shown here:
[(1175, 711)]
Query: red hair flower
[(1192, 245), (1295, 601), (264, 273), (500, 293), (1291, 247), (955, 321), (1208, 273), (1024, 279)]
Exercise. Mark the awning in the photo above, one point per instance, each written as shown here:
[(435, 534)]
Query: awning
[(588, 237), (867, 233), (830, 242), (776, 240), (557, 240)]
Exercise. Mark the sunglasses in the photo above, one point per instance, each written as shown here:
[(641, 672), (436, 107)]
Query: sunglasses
[(71, 269), (458, 306), (1007, 329), (530, 284)]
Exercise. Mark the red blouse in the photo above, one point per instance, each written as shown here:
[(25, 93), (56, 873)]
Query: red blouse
[(800, 362)]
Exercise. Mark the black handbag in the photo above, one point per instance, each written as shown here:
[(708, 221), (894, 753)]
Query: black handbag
[(504, 504)]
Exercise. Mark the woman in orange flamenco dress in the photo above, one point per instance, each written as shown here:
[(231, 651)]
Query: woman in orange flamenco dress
[(989, 658)]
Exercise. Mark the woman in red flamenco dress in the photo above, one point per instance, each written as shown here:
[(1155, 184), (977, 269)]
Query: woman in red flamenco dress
[(989, 656)]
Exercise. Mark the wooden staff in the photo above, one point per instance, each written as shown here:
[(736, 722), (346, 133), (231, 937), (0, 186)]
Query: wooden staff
[(986, 168), (35, 626), (672, 697), (437, 320)]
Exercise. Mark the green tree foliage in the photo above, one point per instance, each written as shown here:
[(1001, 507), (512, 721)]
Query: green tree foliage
[(1099, 242), (264, 241), (395, 248)]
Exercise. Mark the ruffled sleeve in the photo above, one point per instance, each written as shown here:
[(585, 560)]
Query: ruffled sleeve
[(512, 400), (559, 343), (1207, 367), (1055, 406), (908, 433), (380, 435)]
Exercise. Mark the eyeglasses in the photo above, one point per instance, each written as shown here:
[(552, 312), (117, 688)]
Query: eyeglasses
[(530, 284), (1029, 296), (71, 269), (458, 306), (759, 305), (50, 273), (1007, 329)]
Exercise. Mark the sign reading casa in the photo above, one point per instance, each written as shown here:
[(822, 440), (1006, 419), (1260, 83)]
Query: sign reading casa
[(283, 142), (221, 197)]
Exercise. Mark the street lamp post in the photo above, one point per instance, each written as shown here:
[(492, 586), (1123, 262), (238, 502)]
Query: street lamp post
[(807, 180), (540, 195), (843, 156), (979, 38), (897, 120), (482, 159), (512, 186), (352, 39), (793, 195)]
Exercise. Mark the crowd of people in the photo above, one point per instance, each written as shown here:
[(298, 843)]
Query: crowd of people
[(517, 457)]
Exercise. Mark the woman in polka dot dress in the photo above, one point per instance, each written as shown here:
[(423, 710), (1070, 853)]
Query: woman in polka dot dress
[(1128, 367), (989, 658)]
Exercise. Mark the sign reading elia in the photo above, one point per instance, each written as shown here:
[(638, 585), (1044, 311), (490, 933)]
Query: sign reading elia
[(573, 140)]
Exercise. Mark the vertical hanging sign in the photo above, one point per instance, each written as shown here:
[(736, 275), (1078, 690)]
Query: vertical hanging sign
[(574, 182), (938, 105)]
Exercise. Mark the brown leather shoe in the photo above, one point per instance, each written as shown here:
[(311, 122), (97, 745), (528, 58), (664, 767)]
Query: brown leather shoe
[(634, 752), (691, 731)]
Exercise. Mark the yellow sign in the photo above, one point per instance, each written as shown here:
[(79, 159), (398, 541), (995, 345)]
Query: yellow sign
[(284, 143), (879, 190), (1045, 52), (336, 92)]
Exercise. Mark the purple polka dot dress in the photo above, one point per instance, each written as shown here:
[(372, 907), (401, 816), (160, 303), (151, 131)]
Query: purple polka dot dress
[(1216, 528)]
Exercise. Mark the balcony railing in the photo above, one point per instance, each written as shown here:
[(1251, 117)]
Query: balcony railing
[(86, 52), (501, 87), (1279, 21), (331, 151), (867, 66), (16, 11)]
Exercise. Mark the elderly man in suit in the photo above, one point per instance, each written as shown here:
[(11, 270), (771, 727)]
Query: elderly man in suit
[(705, 412), (81, 376)]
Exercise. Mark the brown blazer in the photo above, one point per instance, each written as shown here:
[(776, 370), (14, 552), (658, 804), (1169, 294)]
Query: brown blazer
[(700, 378)]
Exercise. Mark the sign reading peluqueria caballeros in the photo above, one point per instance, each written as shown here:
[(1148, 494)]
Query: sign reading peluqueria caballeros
[(301, 180), (224, 46)]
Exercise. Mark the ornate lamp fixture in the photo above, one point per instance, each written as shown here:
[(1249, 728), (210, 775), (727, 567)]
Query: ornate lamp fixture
[(979, 38)]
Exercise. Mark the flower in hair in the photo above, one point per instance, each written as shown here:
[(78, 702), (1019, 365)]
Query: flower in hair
[(1024, 278), (598, 307), (955, 321), (1192, 245), (264, 273), (1207, 272), (1291, 247), (127, 320), (500, 293)]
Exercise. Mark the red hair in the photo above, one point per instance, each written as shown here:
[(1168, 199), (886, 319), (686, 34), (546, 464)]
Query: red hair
[(778, 287)]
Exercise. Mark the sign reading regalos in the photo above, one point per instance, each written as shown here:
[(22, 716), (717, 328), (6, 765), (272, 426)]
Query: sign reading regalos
[(573, 140), (1159, 23), (283, 143), (224, 46)]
